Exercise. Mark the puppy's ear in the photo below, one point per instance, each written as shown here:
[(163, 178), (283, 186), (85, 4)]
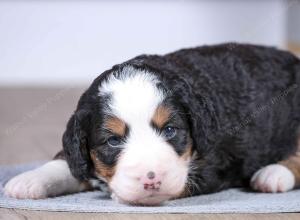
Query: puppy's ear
[(75, 144), (200, 115)]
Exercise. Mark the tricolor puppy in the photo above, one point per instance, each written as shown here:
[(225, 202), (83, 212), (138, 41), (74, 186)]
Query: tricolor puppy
[(191, 122)]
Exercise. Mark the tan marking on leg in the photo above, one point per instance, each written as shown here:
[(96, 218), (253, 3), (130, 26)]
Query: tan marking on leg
[(161, 116), (101, 169), (293, 164), (115, 125)]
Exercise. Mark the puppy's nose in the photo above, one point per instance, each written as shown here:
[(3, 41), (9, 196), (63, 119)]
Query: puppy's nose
[(151, 175)]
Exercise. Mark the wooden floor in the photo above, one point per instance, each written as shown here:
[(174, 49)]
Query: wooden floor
[(31, 124), (16, 214)]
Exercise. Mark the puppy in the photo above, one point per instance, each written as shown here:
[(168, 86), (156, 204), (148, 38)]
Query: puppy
[(191, 122)]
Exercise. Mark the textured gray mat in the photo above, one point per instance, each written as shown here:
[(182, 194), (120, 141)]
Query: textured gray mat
[(229, 201)]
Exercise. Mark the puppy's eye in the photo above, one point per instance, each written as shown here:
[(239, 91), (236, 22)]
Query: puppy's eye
[(169, 132), (114, 141)]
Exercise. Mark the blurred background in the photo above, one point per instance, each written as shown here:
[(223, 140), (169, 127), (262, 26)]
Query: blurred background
[(50, 51)]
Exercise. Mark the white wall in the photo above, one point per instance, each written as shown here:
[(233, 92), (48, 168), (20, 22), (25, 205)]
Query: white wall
[(294, 23), (70, 42)]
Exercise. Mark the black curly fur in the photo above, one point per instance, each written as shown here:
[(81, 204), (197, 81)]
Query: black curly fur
[(242, 104)]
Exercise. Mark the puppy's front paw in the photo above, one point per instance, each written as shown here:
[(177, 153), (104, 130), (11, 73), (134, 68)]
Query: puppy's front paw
[(272, 179), (28, 185)]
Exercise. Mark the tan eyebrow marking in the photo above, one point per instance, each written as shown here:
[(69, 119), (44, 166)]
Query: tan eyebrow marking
[(100, 168), (115, 125), (161, 116)]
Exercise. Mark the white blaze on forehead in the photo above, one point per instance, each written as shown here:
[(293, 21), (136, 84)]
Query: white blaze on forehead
[(135, 95)]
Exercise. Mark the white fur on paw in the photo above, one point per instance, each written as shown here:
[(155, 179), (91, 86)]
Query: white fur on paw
[(28, 185), (272, 179), (52, 179)]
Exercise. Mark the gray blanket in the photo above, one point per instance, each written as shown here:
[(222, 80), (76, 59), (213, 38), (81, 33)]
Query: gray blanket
[(229, 201)]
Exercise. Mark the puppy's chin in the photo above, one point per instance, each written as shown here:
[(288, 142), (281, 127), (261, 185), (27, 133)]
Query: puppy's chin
[(146, 200), (131, 192)]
